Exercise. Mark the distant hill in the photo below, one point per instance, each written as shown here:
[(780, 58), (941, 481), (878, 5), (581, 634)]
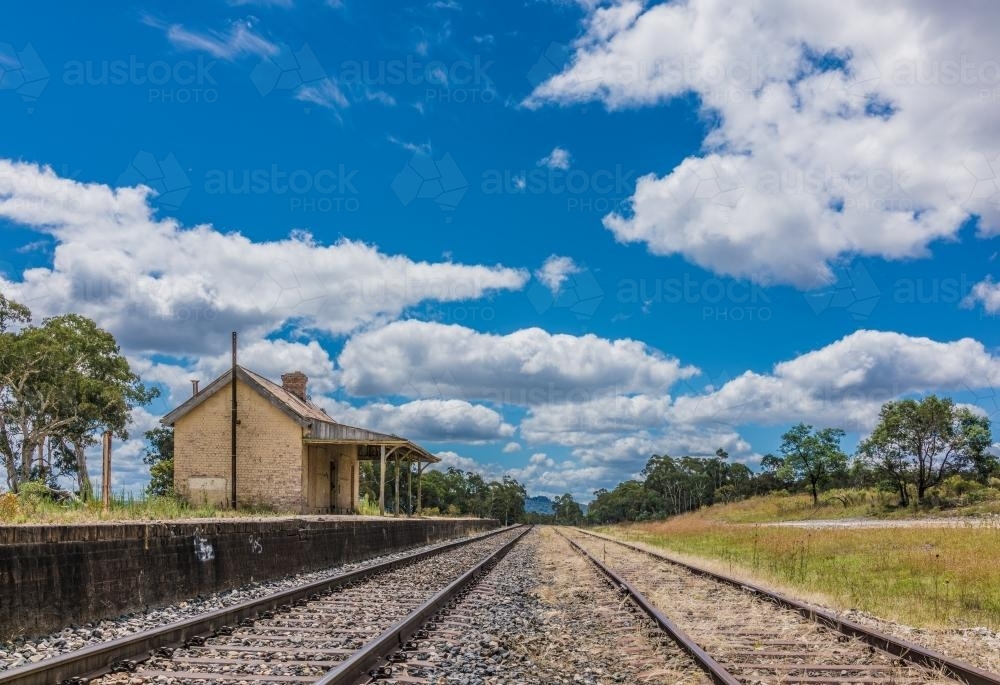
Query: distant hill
[(538, 505), (542, 505)]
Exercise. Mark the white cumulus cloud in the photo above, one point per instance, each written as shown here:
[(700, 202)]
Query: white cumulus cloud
[(554, 272), (162, 287), (987, 293), (844, 383), (559, 158), (837, 129), (529, 366)]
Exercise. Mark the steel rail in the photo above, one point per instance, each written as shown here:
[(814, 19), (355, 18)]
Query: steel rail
[(903, 649), (90, 662), (356, 668), (718, 674)]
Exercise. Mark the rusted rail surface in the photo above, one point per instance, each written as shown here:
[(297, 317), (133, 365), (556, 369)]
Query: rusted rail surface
[(904, 650), (91, 662)]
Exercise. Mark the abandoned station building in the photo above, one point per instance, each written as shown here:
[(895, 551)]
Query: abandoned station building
[(290, 454)]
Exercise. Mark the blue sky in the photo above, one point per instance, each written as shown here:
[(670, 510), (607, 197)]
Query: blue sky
[(548, 239)]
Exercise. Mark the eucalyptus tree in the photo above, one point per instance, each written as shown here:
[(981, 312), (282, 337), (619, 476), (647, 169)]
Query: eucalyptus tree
[(159, 455), (812, 456), (922, 442), (61, 384), (566, 510)]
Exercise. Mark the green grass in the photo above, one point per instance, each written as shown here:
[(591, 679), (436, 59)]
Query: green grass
[(924, 576), (33, 509), (368, 506)]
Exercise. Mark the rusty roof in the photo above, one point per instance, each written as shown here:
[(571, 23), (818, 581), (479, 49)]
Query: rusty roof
[(320, 426)]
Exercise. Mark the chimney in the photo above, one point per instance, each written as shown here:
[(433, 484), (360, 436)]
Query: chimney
[(194, 387), (295, 383)]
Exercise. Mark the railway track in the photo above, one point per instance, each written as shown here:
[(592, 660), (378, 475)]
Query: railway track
[(740, 633), (331, 632), (406, 621), (460, 643)]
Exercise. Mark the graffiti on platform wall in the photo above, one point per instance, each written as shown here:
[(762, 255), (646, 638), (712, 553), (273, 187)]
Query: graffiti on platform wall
[(203, 550)]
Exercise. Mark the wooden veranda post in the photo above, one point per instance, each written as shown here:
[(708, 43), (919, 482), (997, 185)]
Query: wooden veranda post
[(381, 485), (420, 486), (409, 488), (397, 485)]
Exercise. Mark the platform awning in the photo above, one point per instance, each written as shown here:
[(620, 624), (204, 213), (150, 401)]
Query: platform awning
[(375, 446), (371, 444)]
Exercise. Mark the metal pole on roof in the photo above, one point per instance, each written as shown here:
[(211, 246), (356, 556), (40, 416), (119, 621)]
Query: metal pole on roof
[(233, 426), (381, 485)]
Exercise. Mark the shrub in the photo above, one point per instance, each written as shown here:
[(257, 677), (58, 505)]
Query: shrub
[(10, 508), (958, 486), (36, 491)]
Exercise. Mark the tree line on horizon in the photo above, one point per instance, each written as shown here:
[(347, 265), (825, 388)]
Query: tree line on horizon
[(916, 446)]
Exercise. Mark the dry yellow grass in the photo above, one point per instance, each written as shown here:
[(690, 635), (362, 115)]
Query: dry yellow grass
[(926, 576), (839, 504)]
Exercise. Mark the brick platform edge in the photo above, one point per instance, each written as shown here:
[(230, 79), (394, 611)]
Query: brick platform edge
[(54, 576)]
